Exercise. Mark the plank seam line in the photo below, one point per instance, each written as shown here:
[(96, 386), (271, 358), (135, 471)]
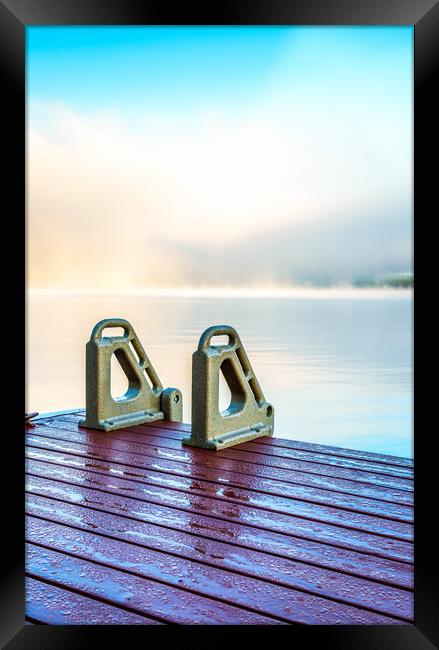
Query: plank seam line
[(226, 499), (201, 535), (318, 521), (167, 584), (269, 467), (86, 597), (86, 594), (273, 456)]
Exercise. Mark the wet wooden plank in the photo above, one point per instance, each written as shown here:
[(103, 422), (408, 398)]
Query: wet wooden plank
[(202, 519), (271, 519), (140, 595), (269, 532), (240, 462), (171, 439), (246, 553), (259, 596), (246, 452), (272, 481), (353, 590), (260, 493), (51, 605)]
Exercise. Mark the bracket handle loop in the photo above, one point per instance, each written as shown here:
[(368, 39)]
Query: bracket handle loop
[(129, 335), (218, 330), (112, 322)]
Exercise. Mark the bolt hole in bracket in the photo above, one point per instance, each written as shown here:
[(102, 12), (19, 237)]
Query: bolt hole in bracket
[(145, 399), (249, 415)]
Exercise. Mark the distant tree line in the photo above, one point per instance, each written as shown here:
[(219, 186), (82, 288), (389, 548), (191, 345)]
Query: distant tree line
[(397, 280)]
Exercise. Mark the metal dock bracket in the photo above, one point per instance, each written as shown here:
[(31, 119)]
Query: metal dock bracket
[(145, 400), (249, 415)]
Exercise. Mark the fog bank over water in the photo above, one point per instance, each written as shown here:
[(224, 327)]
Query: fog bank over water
[(107, 209), (235, 293), (340, 251), (89, 226)]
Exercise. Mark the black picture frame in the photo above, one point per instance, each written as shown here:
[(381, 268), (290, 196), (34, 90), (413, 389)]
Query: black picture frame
[(15, 15)]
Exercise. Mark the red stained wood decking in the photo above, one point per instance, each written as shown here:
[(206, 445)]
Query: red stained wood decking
[(129, 527)]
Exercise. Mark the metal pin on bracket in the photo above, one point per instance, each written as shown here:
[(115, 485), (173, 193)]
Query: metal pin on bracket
[(145, 400), (249, 415)]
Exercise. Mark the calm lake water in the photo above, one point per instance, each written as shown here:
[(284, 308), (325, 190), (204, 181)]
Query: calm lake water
[(336, 365)]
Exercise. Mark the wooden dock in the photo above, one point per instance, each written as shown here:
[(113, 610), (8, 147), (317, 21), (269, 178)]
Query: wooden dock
[(129, 527)]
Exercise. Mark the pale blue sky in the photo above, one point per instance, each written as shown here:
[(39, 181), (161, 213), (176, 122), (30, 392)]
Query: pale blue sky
[(271, 133), (175, 68)]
